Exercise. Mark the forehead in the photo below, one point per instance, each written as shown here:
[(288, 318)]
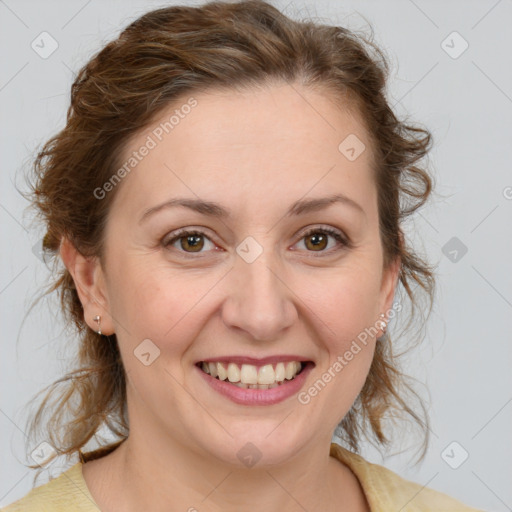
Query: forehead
[(248, 148)]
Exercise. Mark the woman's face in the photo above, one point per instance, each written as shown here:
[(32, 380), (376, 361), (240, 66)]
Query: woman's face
[(261, 278)]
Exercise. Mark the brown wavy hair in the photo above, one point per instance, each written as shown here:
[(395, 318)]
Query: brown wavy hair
[(159, 58)]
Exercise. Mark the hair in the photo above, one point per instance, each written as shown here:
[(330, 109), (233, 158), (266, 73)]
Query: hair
[(158, 59)]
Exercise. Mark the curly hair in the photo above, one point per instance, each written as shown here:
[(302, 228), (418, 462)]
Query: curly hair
[(157, 59)]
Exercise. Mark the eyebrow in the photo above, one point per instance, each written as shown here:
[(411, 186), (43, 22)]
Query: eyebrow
[(212, 209)]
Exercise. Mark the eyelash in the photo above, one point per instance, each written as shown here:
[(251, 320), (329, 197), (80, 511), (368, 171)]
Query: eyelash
[(343, 242)]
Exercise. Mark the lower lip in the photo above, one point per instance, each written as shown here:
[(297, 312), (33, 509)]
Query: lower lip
[(258, 396)]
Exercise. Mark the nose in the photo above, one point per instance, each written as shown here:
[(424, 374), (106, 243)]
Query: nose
[(259, 302)]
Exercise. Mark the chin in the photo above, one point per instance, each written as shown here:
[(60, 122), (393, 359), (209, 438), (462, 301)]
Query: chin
[(262, 443)]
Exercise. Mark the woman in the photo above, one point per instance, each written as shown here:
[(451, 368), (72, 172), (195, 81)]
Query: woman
[(226, 200)]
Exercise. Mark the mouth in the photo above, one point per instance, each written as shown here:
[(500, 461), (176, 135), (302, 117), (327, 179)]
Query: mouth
[(265, 382), (249, 376)]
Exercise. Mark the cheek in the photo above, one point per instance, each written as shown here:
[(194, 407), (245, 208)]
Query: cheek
[(342, 306), (140, 300), (344, 299), (156, 302)]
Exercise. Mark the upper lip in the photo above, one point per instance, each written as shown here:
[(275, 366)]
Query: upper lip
[(255, 361)]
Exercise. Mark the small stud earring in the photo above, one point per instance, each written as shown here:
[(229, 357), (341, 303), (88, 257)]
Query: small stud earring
[(383, 324), (97, 319)]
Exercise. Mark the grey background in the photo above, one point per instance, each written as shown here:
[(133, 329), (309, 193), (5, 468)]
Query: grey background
[(466, 102)]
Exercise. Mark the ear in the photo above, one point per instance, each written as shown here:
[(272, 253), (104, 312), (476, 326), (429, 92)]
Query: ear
[(389, 282), (89, 279)]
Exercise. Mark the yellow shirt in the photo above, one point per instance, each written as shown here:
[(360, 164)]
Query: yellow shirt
[(385, 491)]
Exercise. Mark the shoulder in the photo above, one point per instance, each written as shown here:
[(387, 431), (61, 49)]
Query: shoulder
[(66, 492), (388, 491)]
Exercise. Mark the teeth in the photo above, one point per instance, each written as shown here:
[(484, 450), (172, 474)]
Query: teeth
[(266, 375), (233, 372), (255, 386), (249, 374), (280, 373), (221, 371), (252, 377), (291, 369), (213, 369)]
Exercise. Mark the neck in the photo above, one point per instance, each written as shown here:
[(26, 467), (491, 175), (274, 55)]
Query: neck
[(193, 481)]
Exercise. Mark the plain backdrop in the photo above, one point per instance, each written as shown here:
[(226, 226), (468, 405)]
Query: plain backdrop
[(451, 71)]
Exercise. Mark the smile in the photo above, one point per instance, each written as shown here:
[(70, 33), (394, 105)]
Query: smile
[(248, 384), (249, 376)]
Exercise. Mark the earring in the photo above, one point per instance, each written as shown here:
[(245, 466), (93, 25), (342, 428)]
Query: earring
[(97, 319), (383, 324)]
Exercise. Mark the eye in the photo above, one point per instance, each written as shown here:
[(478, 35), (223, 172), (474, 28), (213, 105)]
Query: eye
[(317, 240), (192, 241), (314, 240)]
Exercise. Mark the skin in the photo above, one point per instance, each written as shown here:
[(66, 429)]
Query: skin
[(255, 153)]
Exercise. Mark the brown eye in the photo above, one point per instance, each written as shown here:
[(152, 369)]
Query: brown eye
[(319, 240), (189, 242), (192, 243), (316, 241)]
